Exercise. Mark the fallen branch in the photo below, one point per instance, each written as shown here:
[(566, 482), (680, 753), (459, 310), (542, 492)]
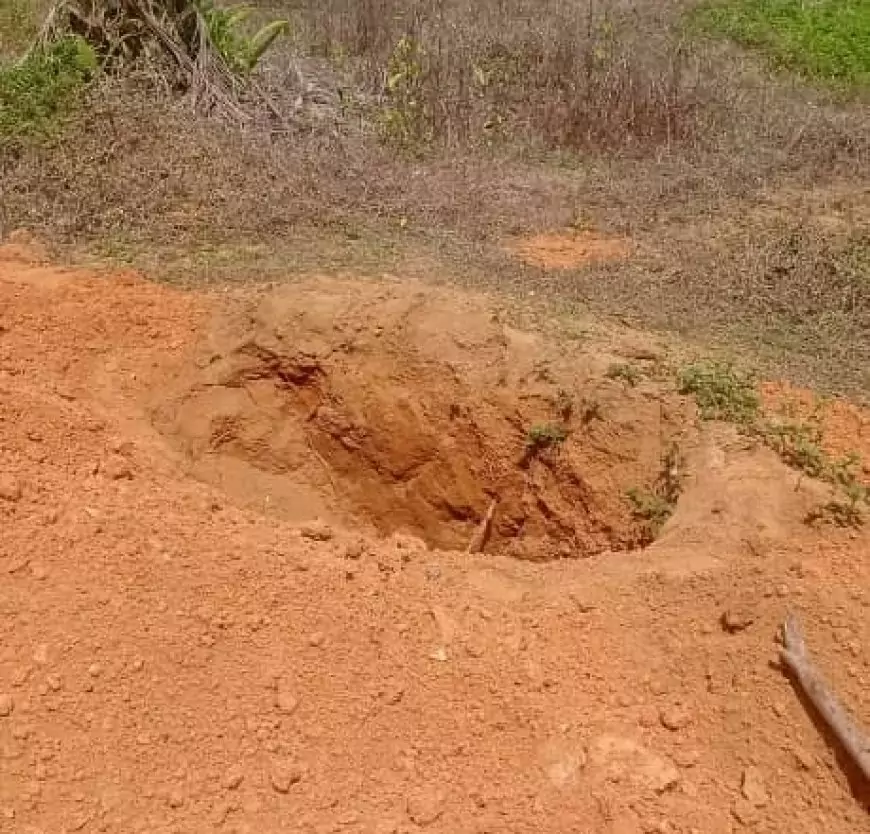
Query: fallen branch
[(481, 534), (848, 733)]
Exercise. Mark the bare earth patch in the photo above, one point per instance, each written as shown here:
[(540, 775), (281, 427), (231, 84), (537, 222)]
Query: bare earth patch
[(569, 251), (178, 657)]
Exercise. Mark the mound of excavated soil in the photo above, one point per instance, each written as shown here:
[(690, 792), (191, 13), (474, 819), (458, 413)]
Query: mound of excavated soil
[(179, 655), (412, 413)]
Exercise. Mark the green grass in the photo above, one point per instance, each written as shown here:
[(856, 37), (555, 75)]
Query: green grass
[(828, 40), (37, 92)]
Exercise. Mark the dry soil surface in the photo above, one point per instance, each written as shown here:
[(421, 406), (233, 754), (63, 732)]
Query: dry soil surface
[(186, 649)]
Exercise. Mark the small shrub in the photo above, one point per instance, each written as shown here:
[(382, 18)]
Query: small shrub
[(539, 438), (651, 508), (544, 435), (629, 374), (492, 72), (38, 91), (721, 392)]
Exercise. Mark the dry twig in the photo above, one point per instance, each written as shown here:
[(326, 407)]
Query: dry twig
[(849, 734)]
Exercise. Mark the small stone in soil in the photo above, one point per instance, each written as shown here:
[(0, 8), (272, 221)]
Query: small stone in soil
[(284, 778), (744, 812), (804, 759), (752, 787), (736, 620), (286, 703), (316, 639), (675, 718), (175, 800), (232, 779), (53, 682), (316, 531), (425, 806)]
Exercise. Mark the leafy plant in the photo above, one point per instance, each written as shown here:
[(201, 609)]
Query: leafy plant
[(39, 90), (721, 392), (799, 445), (227, 30)]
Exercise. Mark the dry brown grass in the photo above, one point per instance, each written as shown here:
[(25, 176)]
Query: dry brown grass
[(562, 75)]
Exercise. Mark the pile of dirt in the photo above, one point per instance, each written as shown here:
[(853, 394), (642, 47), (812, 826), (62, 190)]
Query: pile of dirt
[(175, 660), (409, 411)]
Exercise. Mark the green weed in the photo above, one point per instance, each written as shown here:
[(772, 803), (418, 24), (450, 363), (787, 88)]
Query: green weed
[(650, 508), (539, 438)]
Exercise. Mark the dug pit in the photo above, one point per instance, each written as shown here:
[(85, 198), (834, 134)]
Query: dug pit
[(406, 410)]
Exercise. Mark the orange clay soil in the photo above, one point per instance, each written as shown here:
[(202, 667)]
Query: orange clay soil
[(569, 251), (186, 649)]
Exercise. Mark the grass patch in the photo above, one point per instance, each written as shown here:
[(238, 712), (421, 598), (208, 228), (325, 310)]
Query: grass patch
[(38, 91), (827, 40)]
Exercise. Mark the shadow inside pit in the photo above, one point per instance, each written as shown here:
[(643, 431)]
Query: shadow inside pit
[(858, 783)]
